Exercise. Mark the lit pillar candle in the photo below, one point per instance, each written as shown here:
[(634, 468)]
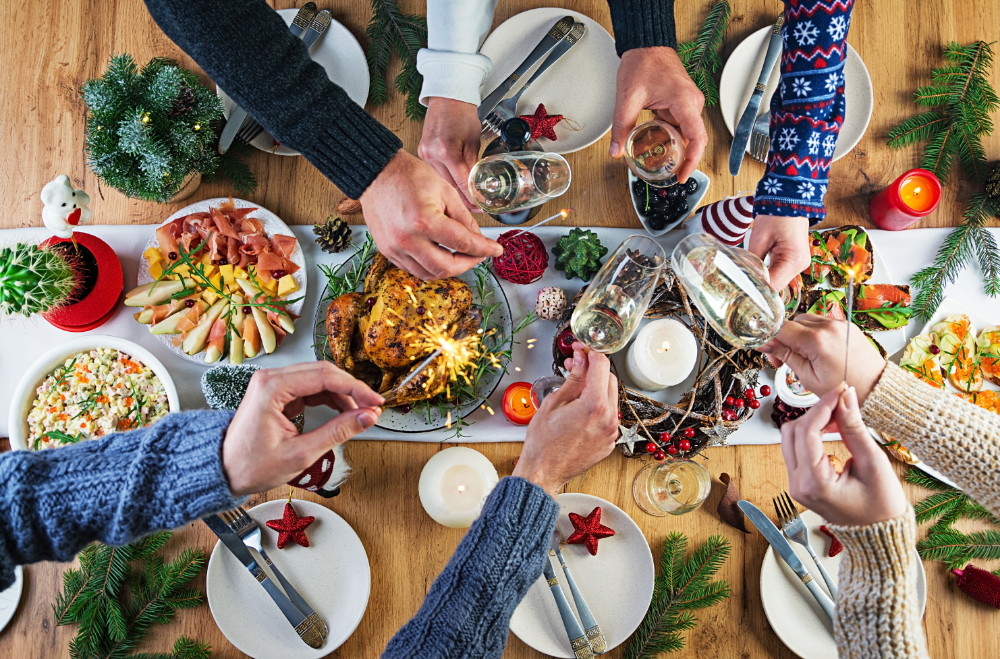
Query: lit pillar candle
[(517, 405), (454, 484), (912, 196), (662, 355)]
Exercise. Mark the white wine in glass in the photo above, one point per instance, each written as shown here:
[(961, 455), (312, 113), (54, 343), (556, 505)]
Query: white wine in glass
[(674, 487), (510, 182), (609, 312), (654, 152)]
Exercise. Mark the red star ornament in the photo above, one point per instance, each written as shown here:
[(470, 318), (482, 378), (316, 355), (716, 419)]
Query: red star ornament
[(542, 124), (291, 528), (588, 530)]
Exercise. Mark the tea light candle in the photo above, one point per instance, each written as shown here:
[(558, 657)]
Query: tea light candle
[(662, 355), (517, 405), (912, 196), (454, 484)]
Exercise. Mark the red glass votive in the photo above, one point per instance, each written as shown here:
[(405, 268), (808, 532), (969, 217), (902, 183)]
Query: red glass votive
[(517, 405), (912, 196)]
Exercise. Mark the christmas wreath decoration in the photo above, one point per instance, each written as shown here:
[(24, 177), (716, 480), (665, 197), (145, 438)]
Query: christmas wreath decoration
[(702, 417)]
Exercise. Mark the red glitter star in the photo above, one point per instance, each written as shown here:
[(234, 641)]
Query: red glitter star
[(542, 124), (588, 530), (291, 527)]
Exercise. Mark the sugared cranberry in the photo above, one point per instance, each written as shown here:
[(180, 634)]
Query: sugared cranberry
[(172, 256), (188, 303), (739, 403), (749, 393), (650, 447), (370, 302), (765, 390), (754, 404), (689, 432), (815, 243), (664, 437), (660, 456), (672, 450), (247, 310), (684, 444), (730, 400), (934, 349), (421, 311), (565, 342), (278, 274)]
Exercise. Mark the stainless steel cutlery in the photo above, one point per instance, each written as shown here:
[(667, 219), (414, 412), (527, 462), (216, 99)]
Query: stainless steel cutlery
[(593, 631), (796, 530), (760, 137), (742, 133), (577, 637)]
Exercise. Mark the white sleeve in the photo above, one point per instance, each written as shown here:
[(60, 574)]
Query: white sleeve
[(451, 65)]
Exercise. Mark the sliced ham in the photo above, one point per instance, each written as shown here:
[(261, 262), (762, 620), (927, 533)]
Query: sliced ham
[(254, 244), (232, 251), (283, 245), (251, 225), (223, 224), (167, 236), (239, 213)]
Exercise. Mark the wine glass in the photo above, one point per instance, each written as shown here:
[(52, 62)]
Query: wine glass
[(609, 312), (543, 386), (510, 182), (654, 152), (674, 487), (729, 286)]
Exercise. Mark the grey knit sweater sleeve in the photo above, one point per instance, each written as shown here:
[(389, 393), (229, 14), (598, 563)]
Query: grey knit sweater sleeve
[(467, 611), (642, 24), (115, 489), (245, 47)]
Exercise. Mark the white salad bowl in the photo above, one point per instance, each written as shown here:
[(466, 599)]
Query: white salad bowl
[(24, 394)]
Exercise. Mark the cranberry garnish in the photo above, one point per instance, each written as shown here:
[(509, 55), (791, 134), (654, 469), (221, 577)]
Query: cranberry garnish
[(754, 404), (664, 437), (684, 444), (405, 409), (247, 310), (765, 390), (689, 432), (650, 447), (223, 260), (739, 403), (660, 456), (370, 302), (188, 303), (730, 400), (815, 243), (421, 311), (172, 256), (278, 274), (934, 349)]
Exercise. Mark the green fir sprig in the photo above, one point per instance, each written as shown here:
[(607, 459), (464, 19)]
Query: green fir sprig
[(701, 56), (390, 30), (683, 586), (115, 602), (959, 101)]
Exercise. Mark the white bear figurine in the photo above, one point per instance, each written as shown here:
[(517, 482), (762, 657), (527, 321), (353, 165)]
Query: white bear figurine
[(64, 207)]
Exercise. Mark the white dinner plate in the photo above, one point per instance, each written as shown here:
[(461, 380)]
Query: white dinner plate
[(580, 86), (340, 54), (10, 598), (332, 574), (617, 583), (792, 610), (272, 226), (743, 68)]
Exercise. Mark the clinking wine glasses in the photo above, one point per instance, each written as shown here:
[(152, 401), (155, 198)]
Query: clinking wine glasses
[(654, 152), (509, 182), (729, 286)]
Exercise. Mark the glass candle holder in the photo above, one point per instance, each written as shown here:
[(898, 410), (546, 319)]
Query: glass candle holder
[(674, 487), (510, 182), (517, 405), (654, 152)]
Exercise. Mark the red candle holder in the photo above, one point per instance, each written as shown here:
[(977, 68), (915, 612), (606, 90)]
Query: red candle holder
[(910, 197), (99, 303), (517, 405)]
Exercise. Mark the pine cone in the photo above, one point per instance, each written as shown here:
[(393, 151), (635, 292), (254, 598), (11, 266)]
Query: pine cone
[(333, 236), (993, 184), (183, 104)]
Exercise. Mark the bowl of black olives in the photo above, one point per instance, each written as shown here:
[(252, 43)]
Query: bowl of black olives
[(662, 209)]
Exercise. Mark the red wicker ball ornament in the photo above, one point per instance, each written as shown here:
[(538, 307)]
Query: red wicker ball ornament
[(524, 257)]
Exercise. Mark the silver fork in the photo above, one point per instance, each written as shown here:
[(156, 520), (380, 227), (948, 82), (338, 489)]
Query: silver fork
[(249, 130), (244, 526), (760, 137), (796, 530)]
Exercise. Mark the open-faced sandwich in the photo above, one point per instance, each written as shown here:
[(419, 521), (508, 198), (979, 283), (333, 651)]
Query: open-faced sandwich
[(954, 338), (834, 251), (882, 307), (878, 346), (825, 303), (988, 353), (922, 358)]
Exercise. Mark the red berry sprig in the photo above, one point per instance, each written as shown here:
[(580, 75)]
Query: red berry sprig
[(672, 450), (650, 447), (660, 456), (754, 404), (685, 445), (689, 433), (765, 390), (739, 403)]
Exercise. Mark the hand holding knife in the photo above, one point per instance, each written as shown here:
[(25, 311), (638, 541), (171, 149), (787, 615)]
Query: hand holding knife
[(742, 134)]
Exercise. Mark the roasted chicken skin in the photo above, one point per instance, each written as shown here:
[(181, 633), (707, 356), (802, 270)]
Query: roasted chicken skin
[(341, 318)]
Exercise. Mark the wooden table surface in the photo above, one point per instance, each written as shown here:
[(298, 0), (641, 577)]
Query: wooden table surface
[(43, 125)]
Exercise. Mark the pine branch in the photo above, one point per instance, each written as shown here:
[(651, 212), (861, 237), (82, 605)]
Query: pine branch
[(922, 479), (916, 129), (390, 30), (233, 165), (945, 505), (701, 56)]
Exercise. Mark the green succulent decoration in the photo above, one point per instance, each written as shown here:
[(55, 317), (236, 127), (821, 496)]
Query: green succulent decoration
[(579, 254), (35, 279)]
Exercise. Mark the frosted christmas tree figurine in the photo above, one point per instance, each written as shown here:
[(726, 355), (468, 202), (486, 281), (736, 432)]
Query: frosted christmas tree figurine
[(64, 207)]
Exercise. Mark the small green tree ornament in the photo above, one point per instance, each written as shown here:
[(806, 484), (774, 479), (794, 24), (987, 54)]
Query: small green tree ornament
[(35, 279), (579, 254)]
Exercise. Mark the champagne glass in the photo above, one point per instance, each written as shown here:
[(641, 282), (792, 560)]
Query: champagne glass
[(654, 152), (510, 182), (617, 298), (544, 386), (729, 286), (674, 487)]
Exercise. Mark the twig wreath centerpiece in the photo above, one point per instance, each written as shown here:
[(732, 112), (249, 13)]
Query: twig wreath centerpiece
[(701, 418)]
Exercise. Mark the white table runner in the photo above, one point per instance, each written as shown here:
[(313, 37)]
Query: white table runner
[(22, 341)]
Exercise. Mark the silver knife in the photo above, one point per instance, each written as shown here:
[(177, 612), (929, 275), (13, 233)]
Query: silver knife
[(548, 42), (561, 49), (577, 639), (303, 625), (317, 27), (239, 115), (742, 134), (593, 631), (783, 549)]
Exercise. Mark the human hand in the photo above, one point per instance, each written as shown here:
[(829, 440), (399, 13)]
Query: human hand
[(786, 239), (576, 426), (813, 347), (655, 79), (867, 491), (263, 449), (450, 142), (417, 219)]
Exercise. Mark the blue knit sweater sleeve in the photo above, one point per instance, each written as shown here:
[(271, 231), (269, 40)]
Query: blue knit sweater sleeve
[(807, 110), (115, 489), (467, 611)]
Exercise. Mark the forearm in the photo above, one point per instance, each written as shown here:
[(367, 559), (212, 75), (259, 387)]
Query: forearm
[(952, 435), (451, 64), (807, 110), (877, 614), (115, 489), (467, 611), (245, 47), (643, 24)]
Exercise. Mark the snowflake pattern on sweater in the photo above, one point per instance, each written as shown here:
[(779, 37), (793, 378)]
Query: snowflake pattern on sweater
[(807, 109)]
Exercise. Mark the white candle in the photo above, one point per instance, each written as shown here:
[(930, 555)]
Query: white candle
[(662, 355), (454, 484)]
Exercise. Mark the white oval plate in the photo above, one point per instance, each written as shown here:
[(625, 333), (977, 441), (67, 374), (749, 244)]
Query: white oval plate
[(791, 609), (617, 583), (24, 394), (743, 68), (272, 225), (340, 54), (333, 575), (580, 86), (693, 201), (10, 598)]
